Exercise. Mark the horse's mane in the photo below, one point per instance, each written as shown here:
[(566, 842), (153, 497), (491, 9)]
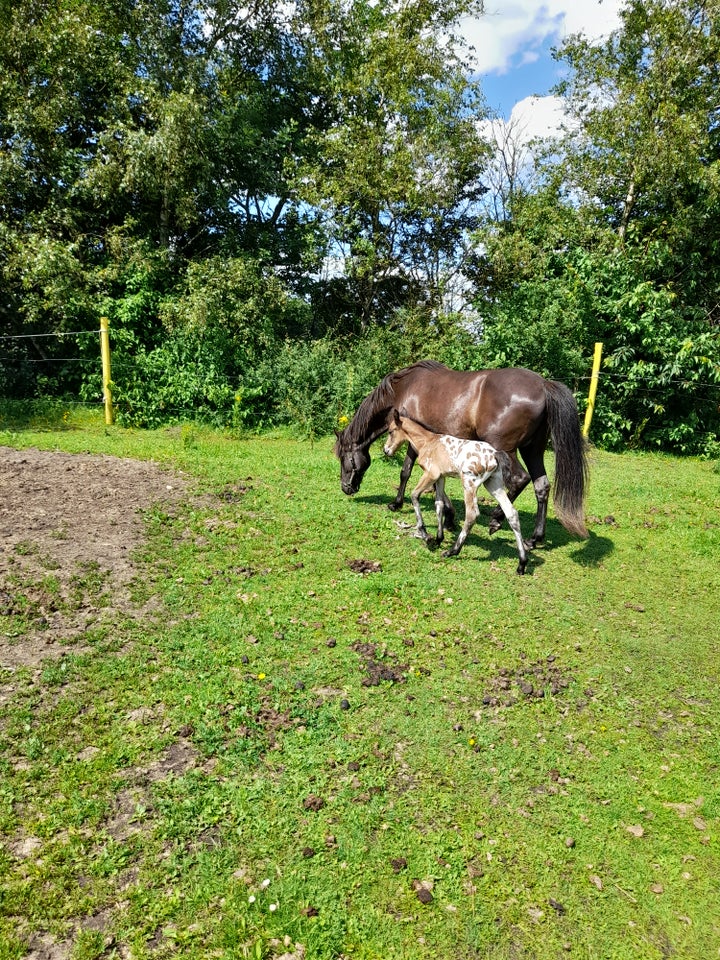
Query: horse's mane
[(382, 398)]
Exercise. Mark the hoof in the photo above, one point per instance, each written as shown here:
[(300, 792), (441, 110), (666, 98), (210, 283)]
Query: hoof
[(494, 526), (520, 570), (450, 553), (395, 506)]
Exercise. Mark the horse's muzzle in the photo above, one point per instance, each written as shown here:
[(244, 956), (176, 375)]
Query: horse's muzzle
[(349, 489)]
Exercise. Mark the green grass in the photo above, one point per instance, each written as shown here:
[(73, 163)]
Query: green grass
[(158, 781)]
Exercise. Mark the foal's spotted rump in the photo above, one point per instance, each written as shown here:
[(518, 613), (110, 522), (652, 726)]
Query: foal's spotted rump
[(474, 457)]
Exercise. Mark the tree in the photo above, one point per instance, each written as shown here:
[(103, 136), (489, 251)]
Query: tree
[(619, 242), (396, 169), (645, 148)]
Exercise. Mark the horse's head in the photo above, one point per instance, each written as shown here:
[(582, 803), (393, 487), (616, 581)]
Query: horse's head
[(354, 461)]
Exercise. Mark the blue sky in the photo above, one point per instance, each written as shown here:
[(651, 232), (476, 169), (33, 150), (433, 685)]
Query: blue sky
[(513, 43), (522, 79)]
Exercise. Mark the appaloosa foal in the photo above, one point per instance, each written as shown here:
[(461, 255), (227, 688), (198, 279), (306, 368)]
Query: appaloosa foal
[(440, 456)]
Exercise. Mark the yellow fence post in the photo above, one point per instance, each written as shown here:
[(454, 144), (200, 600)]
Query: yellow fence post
[(105, 353), (593, 388)]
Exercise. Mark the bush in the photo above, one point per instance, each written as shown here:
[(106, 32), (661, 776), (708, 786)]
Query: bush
[(184, 379), (660, 377)]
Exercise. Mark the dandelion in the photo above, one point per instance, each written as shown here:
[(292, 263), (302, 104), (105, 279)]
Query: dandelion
[(343, 421), (261, 676), (472, 741), (273, 907), (251, 898), (266, 883)]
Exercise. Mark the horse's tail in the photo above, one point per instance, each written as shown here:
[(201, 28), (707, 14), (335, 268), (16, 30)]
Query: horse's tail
[(571, 470)]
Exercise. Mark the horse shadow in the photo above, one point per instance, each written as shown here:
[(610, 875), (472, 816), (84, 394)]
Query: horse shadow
[(592, 552), (587, 553)]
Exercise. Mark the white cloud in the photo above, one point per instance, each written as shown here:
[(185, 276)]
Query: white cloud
[(536, 117), (520, 27), (531, 119)]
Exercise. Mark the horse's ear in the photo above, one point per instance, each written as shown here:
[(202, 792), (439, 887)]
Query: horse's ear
[(396, 416)]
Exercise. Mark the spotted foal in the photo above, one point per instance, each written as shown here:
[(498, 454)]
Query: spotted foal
[(440, 456)]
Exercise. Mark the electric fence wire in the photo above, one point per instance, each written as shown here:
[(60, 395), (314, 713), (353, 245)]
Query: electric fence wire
[(33, 336), (652, 385)]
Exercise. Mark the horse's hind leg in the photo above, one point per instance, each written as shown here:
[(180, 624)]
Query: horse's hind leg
[(494, 486), (542, 493), (534, 459), (440, 507), (471, 514)]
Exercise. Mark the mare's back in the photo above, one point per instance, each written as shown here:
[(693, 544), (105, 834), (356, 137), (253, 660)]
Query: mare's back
[(492, 405)]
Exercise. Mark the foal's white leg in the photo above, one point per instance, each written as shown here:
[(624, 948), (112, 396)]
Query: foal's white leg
[(470, 488), (440, 507), (494, 486), (425, 483)]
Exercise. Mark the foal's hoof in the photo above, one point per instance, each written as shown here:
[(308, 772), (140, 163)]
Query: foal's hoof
[(521, 569), (494, 526)]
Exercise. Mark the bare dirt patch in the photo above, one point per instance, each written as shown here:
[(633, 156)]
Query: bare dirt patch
[(69, 525)]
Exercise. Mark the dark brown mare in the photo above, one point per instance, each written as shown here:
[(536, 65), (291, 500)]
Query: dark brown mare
[(513, 409)]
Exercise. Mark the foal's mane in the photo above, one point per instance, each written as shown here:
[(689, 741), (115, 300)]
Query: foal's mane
[(421, 423), (358, 431)]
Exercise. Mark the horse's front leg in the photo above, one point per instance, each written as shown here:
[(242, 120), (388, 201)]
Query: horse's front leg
[(408, 464), (448, 512), (424, 485)]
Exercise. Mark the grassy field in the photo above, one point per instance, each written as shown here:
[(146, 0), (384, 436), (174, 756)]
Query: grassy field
[(370, 751)]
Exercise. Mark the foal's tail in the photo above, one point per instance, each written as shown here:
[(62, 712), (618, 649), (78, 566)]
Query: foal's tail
[(571, 470), (505, 466)]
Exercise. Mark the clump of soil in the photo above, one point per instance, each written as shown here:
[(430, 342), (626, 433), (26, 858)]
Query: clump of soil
[(385, 669), (365, 566), (530, 681), (69, 524)]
